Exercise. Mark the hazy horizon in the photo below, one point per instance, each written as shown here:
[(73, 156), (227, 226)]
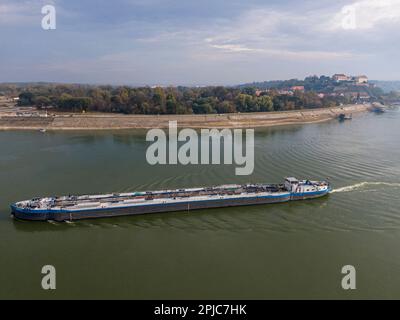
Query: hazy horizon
[(161, 85), (187, 43)]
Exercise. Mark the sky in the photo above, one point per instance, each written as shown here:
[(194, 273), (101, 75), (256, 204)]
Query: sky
[(198, 42)]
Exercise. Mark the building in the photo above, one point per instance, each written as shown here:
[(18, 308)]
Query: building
[(341, 77), (364, 96), (297, 88), (285, 92), (352, 95), (360, 79)]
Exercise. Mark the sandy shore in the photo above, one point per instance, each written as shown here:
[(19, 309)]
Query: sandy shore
[(93, 121)]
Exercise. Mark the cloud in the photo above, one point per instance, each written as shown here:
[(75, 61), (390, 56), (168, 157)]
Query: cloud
[(170, 42), (286, 54), (15, 13), (28, 13), (282, 34), (233, 48), (270, 33), (317, 33), (368, 14)]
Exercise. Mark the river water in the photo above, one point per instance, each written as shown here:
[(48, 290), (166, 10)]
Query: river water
[(290, 250)]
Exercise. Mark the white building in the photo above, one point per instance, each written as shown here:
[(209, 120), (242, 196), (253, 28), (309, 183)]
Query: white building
[(361, 79), (341, 77)]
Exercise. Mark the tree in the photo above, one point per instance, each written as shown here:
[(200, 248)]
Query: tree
[(41, 101), (171, 104), (25, 99), (226, 107), (159, 100), (265, 103)]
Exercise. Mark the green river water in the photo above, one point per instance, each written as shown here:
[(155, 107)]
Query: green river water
[(289, 250)]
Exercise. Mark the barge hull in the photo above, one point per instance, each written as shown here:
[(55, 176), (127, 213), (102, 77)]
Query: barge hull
[(69, 208), (145, 209)]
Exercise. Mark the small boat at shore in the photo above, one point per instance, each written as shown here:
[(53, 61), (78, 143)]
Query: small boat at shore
[(68, 208), (378, 108), (344, 117)]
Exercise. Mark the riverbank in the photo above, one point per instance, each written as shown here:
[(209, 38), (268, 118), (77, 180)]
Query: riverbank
[(93, 121)]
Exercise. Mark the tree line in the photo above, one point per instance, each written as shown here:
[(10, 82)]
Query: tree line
[(164, 100)]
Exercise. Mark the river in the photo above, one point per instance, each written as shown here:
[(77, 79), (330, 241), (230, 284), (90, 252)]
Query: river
[(289, 250)]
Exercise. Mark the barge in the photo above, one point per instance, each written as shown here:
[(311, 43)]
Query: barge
[(69, 208)]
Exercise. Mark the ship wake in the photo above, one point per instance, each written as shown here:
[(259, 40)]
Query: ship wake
[(365, 185)]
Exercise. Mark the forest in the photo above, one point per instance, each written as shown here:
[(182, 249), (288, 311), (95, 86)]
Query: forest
[(163, 100)]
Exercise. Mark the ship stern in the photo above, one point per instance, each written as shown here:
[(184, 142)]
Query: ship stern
[(26, 214)]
